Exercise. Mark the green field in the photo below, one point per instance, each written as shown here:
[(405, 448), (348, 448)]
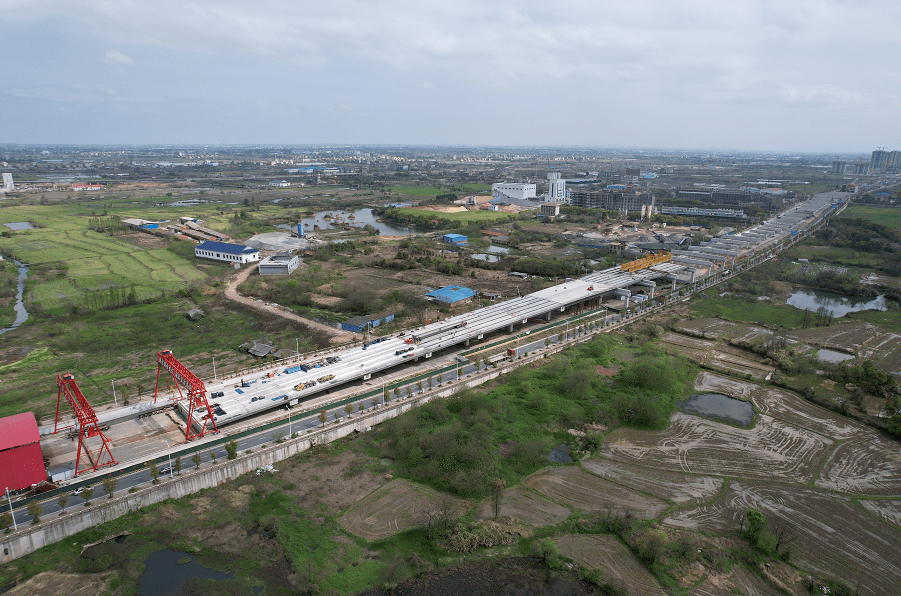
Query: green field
[(463, 216), (427, 191), (887, 216), (93, 261)]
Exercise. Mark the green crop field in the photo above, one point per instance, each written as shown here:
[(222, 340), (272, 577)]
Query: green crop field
[(418, 191), (887, 216), (92, 261)]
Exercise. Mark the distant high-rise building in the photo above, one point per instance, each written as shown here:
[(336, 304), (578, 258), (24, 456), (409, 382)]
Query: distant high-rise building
[(878, 159), (839, 166), (8, 185), (556, 191)]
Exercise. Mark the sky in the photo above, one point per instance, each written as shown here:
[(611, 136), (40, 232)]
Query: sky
[(775, 75)]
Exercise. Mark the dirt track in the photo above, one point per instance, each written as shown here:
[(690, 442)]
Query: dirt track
[(231, 292)]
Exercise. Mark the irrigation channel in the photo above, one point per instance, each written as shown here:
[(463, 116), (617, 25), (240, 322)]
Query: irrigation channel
[(21, 313)]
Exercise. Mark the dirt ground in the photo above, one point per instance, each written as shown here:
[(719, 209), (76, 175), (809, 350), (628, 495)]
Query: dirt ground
[(582, 490), (52, 583), (526, 506), (395, 507), (869, 464), (620, 566)]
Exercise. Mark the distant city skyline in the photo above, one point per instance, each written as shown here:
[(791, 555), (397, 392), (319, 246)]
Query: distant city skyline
[(820, 76)]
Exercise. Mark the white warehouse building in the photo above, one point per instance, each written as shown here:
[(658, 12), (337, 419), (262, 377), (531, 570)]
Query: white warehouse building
[(514, 190), (230, 253)]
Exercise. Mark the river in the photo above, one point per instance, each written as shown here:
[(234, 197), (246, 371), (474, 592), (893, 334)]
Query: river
[(21, 313)]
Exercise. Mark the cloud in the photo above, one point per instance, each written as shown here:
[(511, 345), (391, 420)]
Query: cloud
[(117, 58)]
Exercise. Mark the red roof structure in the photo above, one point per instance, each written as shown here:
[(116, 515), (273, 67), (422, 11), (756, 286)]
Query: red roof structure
[(18, 430), (21, 460)]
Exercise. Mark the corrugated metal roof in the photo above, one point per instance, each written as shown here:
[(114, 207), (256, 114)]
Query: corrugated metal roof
[(452, 294), (232, 249), (21, 429)]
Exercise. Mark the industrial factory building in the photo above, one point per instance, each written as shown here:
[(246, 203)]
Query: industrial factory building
[(283, 263)]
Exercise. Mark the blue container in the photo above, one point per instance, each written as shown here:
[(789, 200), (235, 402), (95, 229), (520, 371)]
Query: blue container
[(300, 229)]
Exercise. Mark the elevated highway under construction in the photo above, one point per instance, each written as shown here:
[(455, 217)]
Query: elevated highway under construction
[(208, 405)]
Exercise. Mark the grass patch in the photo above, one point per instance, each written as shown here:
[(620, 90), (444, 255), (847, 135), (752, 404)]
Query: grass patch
[(465, 216), (887, 216), (747, 310)]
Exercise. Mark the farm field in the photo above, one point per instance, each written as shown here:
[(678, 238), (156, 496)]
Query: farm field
[(669, 486), (527, 506), (869, 464), (829, 533), (708, 326), (714, 383), (887, 509), (787, 406), (772, 449), (394, 508), (584, 491), (887, 216), (619, 565)]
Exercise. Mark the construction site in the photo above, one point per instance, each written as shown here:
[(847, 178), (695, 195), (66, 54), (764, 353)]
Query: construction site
[(185, 408)]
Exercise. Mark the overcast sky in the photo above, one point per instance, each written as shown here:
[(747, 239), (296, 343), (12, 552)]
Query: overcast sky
[(786, 75)]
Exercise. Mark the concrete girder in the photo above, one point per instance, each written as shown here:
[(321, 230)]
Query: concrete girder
[(649, 284)]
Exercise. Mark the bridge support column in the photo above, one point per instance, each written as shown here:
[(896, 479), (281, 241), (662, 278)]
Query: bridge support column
[(467, 343), (510, 329), (674, 285), (548, 316)]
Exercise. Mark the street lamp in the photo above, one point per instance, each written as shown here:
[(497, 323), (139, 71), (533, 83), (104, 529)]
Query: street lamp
[(297, 347), (13, 513), (214, 368), (169, 453), (114, 392), (289, 422)]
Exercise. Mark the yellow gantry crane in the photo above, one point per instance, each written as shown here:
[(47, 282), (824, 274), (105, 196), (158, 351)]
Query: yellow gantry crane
[(645, 262)]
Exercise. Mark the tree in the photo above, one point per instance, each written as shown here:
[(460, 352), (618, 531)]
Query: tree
[(212, 457), (232, 449), (88, 492), (409, 390), (547, 342), (279, 437), (178, 465), (360, 407), (429, 381), (62, 500), (336, 417), (155, 471), (419, 386), (387, 396), (6, 520), (109, 485), (397, 393), (349, 409), (35, 510), (323, 416), (440, 378), (197, 460), (498, 494)]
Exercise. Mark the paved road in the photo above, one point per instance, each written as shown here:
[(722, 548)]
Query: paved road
[(231, 292)]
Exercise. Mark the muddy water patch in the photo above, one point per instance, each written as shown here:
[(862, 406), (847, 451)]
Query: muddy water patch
[(832, 356), (167, 571), (835, 304), (717, 406)]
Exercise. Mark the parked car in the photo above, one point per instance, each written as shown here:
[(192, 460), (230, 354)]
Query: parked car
[(78, 491)]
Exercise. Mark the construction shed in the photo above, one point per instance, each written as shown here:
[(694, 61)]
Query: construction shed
[(458, 239), (21, 459), (452, 294), (360, 323), (282, 263)]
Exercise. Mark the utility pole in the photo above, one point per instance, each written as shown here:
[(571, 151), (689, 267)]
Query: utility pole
[(11, 511), (116, 401)]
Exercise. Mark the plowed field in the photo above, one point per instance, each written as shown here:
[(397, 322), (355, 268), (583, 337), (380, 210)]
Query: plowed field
[(713, 383), (889, 510), (690, 342), (791, 408), (618, 564), (579, 489), (709, 326), (772, 449), (670, 486), (828, 533), (394, 508), (527, 506), (869, 465)]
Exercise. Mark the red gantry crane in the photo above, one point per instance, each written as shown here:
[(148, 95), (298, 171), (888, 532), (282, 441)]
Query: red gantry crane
[(196, 393), (85, 425)]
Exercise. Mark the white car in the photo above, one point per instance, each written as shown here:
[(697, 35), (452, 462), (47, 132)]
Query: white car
[(78, 491)]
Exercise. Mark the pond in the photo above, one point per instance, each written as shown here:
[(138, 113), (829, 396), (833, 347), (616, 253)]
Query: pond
[(838, 305), (719, 407), (329, 220), (19, 225), (498, 249), (21, 313), (486, 257), (560, 454), (167, 571), (833, 356)]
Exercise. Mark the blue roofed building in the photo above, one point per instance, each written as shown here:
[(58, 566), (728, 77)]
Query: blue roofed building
[(230, 253), (360, 323), (452, 294), (458, 239)]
